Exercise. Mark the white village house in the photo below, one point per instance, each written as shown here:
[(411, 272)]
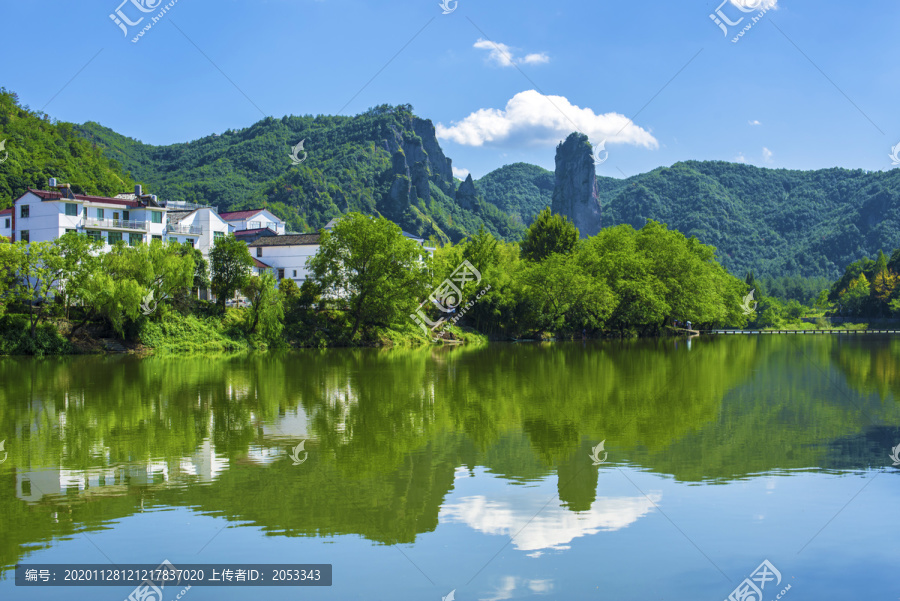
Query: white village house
[(45, 215), (286, 255)]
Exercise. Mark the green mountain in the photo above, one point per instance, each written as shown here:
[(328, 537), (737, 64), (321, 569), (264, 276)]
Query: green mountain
[(34, 148), (388, 161), (774, 222), (385, 161)]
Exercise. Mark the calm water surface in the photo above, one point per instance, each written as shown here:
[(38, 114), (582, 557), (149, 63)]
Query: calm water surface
[(436, 470)]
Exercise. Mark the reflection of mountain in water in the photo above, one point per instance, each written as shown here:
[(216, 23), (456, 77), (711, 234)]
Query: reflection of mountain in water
[(386, 432)]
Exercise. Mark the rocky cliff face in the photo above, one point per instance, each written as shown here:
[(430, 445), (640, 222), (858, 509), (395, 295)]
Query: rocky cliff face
[(465, 195), (575, 193), (424, 160)]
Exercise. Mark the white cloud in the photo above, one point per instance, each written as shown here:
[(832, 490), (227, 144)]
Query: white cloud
[(767, 155), (756, 4), (754, 122), (460, 172), (530, 118), (504, 56), (740, 158)]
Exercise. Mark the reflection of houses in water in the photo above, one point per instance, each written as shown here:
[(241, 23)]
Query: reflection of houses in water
[(202, 466)]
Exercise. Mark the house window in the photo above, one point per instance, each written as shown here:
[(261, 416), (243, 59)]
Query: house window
[(71, 209), (113, 237), (135, 239), (155, 237), (94, 235), (173, 240), (26, 237), (99, 213), (124, 215), (24, 211), (190, 241), (281, 274), (70, 230), (259, 251), (295, 273), (156, 217), (218, 235), (7, 222)]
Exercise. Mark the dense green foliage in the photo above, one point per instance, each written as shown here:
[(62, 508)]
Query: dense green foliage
[(373, 268), (622, 281), (40, 148), (868, 288), (522, 190), (549, 234), (776, 222), (230, 264), (376, 163)]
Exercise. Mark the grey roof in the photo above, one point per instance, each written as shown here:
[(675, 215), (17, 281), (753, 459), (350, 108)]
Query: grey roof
[(287, 240), (330, 225), (178, 216)]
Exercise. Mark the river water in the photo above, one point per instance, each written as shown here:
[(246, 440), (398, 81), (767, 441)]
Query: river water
[(602, 470)]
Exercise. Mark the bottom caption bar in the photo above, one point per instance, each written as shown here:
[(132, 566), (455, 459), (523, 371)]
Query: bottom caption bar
[(165, 574)]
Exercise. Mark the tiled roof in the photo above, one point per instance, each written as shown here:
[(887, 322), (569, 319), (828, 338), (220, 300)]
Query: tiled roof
[(239, 215), (178, 216), (287, 240), (6, 211), (240, 233), (45, 195), (260, 264)]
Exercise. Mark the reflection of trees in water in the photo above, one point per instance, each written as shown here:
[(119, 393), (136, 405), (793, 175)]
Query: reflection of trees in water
[(386, 430)]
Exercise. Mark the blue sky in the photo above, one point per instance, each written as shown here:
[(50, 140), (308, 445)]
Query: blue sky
[(810, 85)]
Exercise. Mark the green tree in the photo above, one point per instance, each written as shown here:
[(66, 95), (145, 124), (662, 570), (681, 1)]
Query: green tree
[(547, 235), (230, 263), (378, 271), (266, 311), (41, 269)]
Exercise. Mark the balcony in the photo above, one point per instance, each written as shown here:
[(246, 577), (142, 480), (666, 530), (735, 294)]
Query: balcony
[(122, 224), (191, 230)]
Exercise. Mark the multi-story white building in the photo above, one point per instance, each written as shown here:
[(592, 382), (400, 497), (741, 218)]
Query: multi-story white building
[(252, 221), (43, 216), (286, 254), (200, 227), (6, 222)]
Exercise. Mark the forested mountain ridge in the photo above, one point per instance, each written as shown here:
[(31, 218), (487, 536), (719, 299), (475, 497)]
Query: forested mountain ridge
[(34, 148), (771, 221), (385, 161), (388, 161)]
